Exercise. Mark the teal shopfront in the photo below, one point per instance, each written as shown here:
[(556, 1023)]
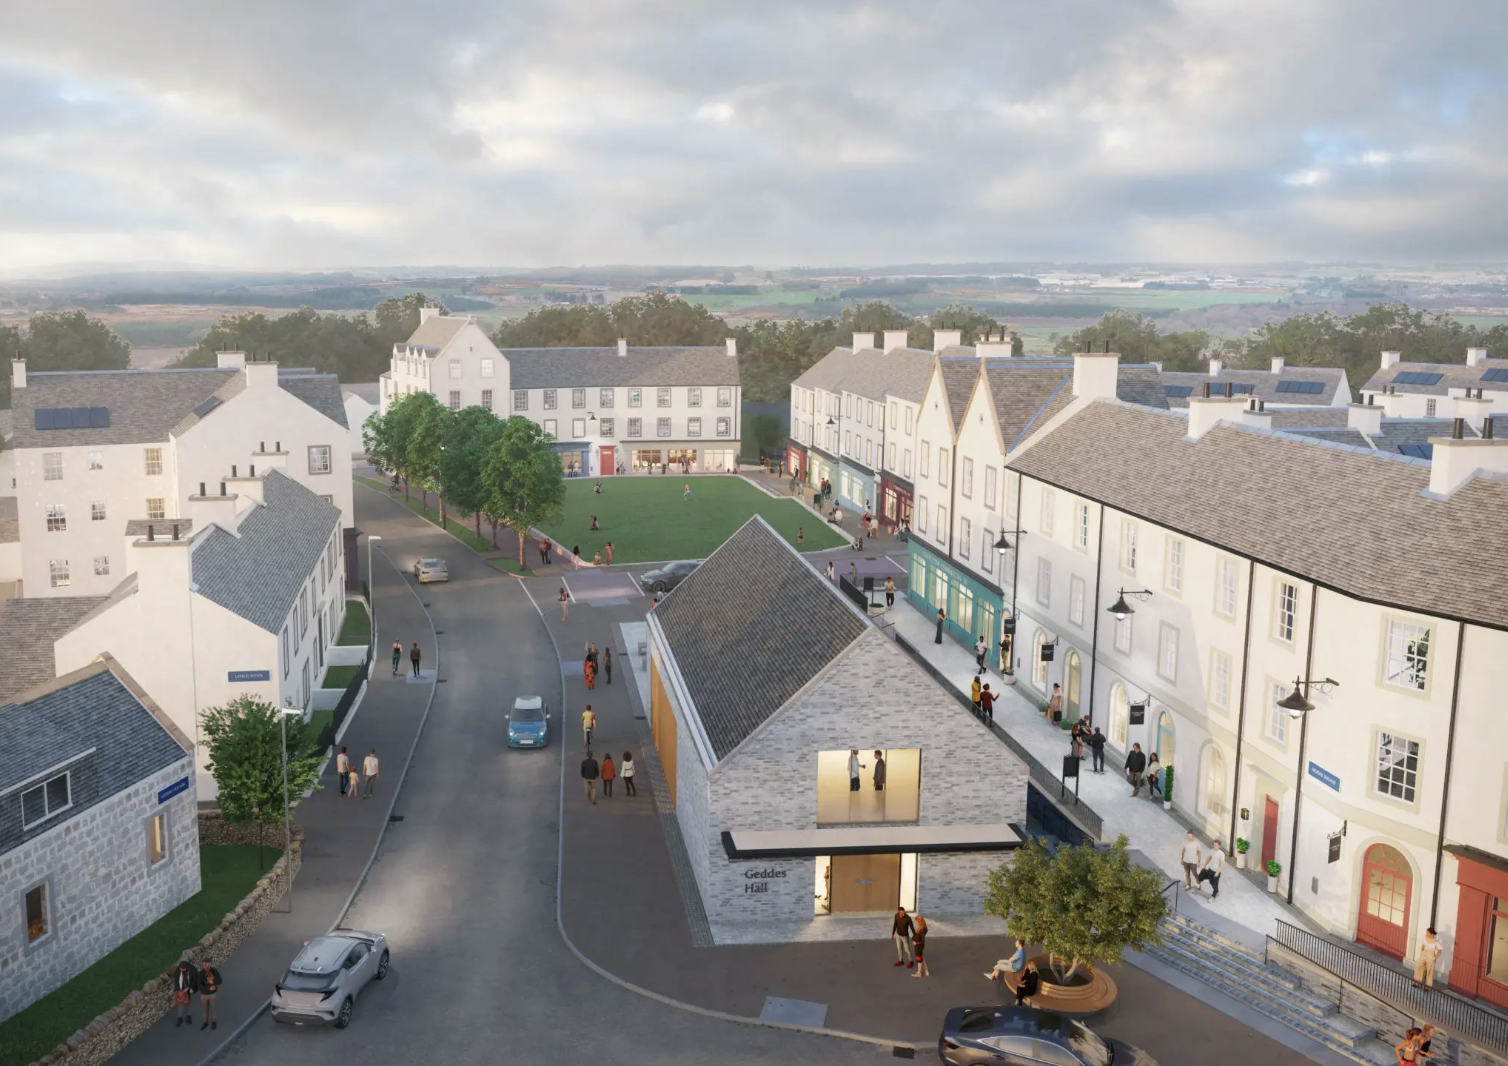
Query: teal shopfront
[(973, 608), (822, 468)]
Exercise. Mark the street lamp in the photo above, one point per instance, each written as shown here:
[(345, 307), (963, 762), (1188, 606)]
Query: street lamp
[(1295, 703), (372, 581), (1299, 707), (1120, 609), (1004, 545), (288, 710)]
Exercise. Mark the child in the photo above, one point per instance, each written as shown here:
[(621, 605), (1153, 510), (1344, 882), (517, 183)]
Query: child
[(353, 782)]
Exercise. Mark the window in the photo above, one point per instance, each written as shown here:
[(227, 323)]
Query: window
[(487, 367), (1128, 545), (1172, 565), (578, 428), (965, 535), (97, 511), (662, 427), (57, 518), (455, 369), (725, 427), (1284, 611), (890, 463), (101, 566), (869, 453), (869, 415), (924, 460), (1081, 527), (605, 397), (636, 397), (319, 459), (967, 488), (1407, 661), (942, 523), (36, 914), (1044, 520), (45, 799), (578, 398), (1044, 582), (724, 396), (1227, 580), (662, 397), (943, 467), (693, 397), (551, 400), (1429, 408), (1397, 766), (156, 507), (908, 420), (455, 400), (1012, 493), (1123, 635), (693, 427), (1220, 670), (96, 460), (157, 839), (1076, 600), (551, 427), (153, 460), (607, 429), (486, 399), (899, 801), (1277, 718), (52, 466), (1039, 668), (1214, 781), (989, 487), (285, 651), (906, 463), (847, 443), (636, 427), (521, 399), (1167, 653), (921, 514), (987, 552), (895, 415)]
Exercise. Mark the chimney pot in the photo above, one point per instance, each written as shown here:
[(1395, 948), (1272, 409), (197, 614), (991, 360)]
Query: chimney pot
[(232, 471), (175, 530), (201, 488), (1457, 428), (622, 346), (261, 446), (151, 532), (1229, 390), (1487, 428), (1206, 390), (1107, 348), (1261, 405), (252, 470), (279, 446), (222, 488)]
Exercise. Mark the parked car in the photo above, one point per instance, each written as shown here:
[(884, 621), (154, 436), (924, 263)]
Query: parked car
[(321, 986), (1025, 1036), (528, 723), (427, 570), (669, 576)]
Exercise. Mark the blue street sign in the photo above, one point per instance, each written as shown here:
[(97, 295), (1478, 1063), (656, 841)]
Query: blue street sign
[(249, 675), (165, 794), (1323, 776)]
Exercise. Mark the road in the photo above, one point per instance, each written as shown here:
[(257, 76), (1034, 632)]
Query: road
[(464, 886)]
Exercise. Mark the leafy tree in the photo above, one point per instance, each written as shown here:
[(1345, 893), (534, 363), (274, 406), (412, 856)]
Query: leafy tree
[(62, 340), (387, 436), (655, 319), (425, 446), (469, 440), (1136, 338), (974, 324), (523, 479), (395, 320), (246, 758), (1085, 905)]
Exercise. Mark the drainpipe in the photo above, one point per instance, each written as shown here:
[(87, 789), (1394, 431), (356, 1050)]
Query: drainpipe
[(1450, 751), (1016, 571), (1298, 785), (1094, 632), (1235, 794)]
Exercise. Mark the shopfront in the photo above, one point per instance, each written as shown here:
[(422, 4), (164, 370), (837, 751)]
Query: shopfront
[(895, 502), (857, 486), (973, 607), (795, 460), (574, 459), (823, 468), (1479, 966)]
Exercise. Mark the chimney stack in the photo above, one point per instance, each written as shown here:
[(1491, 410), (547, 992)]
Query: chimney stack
[(1457, 459), (622, 347), (732, 347), (17, 374), (1277, 364), (894, 338), (863, 340), (427, 313), (1095, 374), (1206, 413), (946, 338), (230, 360), (261, 374), (1390, 359), (1476, 356), (1364, 418), (1215, 367)]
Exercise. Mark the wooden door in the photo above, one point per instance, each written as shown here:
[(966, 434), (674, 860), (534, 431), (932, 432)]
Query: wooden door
[(607, 464), (661, 727), (1387, 886), (863, 883), (1269, 831)]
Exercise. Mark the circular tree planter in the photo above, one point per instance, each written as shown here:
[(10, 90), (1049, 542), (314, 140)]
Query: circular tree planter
[(1090, 991)]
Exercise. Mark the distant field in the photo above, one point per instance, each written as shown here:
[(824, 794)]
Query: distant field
[(1482, 321), (160, 332), (771, 298)]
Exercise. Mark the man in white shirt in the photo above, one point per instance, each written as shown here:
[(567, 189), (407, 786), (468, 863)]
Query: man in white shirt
[(1214, 866), (854, 766), (369, 768), (980, 648), (1189, 857)]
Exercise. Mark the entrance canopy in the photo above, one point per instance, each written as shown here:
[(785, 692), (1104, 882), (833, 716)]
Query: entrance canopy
[(870, 840)]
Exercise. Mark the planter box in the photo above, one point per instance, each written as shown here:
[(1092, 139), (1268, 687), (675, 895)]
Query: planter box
[(1240, 860), (1272, 883), (346, 655), (325, 699)]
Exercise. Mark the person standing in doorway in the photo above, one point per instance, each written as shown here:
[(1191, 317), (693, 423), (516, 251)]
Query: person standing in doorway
[(607, 665), (1214, 866), (1054, 708), (414, 656), (564, 597), (1154, 777), (589, 775), (980, 650), (879, 771), (342, 768), (901, 928), (209, 984), (918, 945), (588, 723), (987, 704), (974, 693), (942, 616), (608, 547), (185, 984), (1096, 744), (1424, 964), (369, 768), (889, 592), (626, 771), (1136, 765), (397, 656), (1189, 858), (609, 772), (854, 766)]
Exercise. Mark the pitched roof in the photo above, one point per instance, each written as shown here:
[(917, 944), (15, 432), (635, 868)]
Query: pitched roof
[(28, 629), (438, 331), (1336, 435), (257, 571), (1264, 384), (872, 373), (1021, 392), (319, 391), (90, 708), (1366, 531), (370, 391), (1307, 417), (10, 524), (958, 379), (1142, 384), (550, 368), (7, 423), (1452, 376), (744, 596)]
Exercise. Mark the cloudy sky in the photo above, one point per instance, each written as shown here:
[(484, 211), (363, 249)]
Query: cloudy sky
[(322, 133)]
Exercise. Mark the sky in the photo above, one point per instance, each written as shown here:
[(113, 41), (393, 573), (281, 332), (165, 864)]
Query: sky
[(331, 133)]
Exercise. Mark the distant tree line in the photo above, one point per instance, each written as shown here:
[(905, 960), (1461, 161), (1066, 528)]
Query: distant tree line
[(60, 340)]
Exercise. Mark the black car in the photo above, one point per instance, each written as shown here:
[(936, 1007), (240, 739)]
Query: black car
[(1025, 1036), (669, 576)]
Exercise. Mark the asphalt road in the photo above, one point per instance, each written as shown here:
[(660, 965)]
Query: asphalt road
[(464, 887)]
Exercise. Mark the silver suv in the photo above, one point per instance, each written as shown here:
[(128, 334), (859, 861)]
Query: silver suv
[(321, 986)]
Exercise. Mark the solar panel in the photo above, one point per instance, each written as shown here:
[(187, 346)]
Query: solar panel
[(44, 417), (1237, 387), (1416, 377), (1418, 451), (1178, 390), (1313, 388), (1497, 373), (80, 417), (207, 406), (99, 418)]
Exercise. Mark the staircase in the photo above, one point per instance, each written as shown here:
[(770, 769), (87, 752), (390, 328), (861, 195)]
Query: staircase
[(1244, 975)]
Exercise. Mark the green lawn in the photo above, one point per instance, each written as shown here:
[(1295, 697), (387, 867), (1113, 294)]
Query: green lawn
[(228, 872), (646, 518), (320, 724), (339, 676), (357, 628), (464, 533)]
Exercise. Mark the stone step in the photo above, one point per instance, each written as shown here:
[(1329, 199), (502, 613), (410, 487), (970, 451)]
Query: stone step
[(1251, 986), (1247, 968), (1209, 934)]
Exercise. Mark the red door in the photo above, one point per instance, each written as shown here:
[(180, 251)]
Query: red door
[(1269, 832), (1387, 885), (608, 464)]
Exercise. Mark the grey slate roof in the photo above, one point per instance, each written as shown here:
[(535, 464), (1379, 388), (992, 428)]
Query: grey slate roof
[(1307, 417), (744, 597), (370, 391), (1396, 431), (1365, 529), (1335, 435), (439, 331), (563, 368), (1264, 384), (872, 373), (96, 710), (7, 423), (959, 377), (10, 525), (1453, 376), (162, 527), (1141, 383), (1022, 393), (319, 391), (257, 572), (28, 629)]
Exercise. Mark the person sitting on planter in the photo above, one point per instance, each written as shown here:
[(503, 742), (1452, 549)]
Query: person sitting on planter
[(1029, 985)]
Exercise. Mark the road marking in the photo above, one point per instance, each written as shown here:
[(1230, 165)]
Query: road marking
[(565, 585), (891, 560)]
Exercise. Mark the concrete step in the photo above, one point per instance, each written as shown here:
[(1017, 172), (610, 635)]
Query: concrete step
[(1279, 982), (1248, 986), (1204, 931)]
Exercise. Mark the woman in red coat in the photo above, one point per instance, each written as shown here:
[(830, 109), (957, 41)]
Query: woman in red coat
[(609, 772)]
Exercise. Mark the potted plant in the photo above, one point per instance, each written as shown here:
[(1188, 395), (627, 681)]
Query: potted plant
[(1167, 789), (1242, 847), (1273, 869)]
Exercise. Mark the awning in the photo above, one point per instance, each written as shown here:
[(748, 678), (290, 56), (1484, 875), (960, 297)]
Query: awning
[(870, 840), (1478, 856)]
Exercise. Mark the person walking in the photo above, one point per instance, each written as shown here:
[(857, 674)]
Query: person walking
[(879, 771), (626, 771), (854, 766), (397, 656), (918, 945), (342, 768), (1076, 739), (987, 704), (1013, 965), (1154, 777), (414, 655), (800, 534), (607, 665), (564, 597), (974, 693), (608, 547), (1214, 866), (1029, 984), (589, 671), (544, 551), (1136, 765), (589, 775), (1426, 1034), (1189, 858), (942, 616), (369, 768), (353, 782), (1054, 708), (185, 984), (832, 573), (609, 772), (1096, 744), (209, 984), (1407, 1049), (576, 557), (1424, 963), (588, 723), (980, 650), (901, 928), (889, 592)]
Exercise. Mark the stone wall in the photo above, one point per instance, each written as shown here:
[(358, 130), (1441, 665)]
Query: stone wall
[(138, 1012)]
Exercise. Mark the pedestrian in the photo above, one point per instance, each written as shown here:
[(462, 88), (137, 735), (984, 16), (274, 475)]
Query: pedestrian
[(589, 777), (589, 670), (831, 572), (1078, 733), (594, 525), (656, 602), (1136, 765), (1407, 1049), (209, 984), (879, 771), (974, 694), (1029, 984), (853, 574), (1097, 750), (185, 984), (980, 650), (800, 534), (626, 771), (1424, 963), (609, 772), (608, 547), (342, 768), (576, 557), (369, 768), (397, 656), (1054, 708), (353, 783), (687, 494), (544, 551), (1214, 866), (1013, 965), (918, 944), (1426, 1034), (901, 928), (854, 766), (597, 559), (607, 665), (597, 490), (414, 656), (1154, 777), (889, 592), (588, 723), (987, 704), (1189, 858), (565, 604), (942, 617)]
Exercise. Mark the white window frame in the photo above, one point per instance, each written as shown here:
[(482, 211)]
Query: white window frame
[(56, 518), (606, 397), (1039, 668), (157, 508), (1221, 669), (662, 427), (908, 420), (662, 397), (636, 397), (693, 427), (906, 462), (942, 523), (455, 399), (487, 399), (152, 461), (551, 399), (321, 459), (1167, 652), (965, 536), (97, 511), (1128, 545), (1172, 565), (944, 468), (578, 428), (52, 466), (1124, 634), (991, 480), (578, 399), (49, 812), (96, 460), (924, 460), (101, 566), (1045, 516), (1285, 611), (1403, 665), (987, 551), (1081, 527), (1227, 586), (967, 479), (552, 428), (521, 399), (1396, 764), (606, 427), (921, 514), (724, 426), (693, 396), (487, 367), (1077, 588), (1010, 490), (1044, 581), (1276, 726), (57, 573), (455, 370), (636, 427), (725, 396)]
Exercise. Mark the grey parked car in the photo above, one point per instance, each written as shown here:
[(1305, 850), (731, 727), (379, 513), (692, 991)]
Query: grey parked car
[(669, 576), (321, 986), (427, 570)]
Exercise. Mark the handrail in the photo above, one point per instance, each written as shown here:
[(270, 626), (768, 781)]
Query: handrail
[(1174, 884), (1459, 1017)]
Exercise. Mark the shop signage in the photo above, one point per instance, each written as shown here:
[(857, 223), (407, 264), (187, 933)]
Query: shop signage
[(1138, 713), (235, 676), (1335, 847), (1047, 653), (1007, 626), (758, 881), (177, 787), (1323, 776)]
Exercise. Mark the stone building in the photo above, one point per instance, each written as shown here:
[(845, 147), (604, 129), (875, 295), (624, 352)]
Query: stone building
[(99, 833), (757, 758)]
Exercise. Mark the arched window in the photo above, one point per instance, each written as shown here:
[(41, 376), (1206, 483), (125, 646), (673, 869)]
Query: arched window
[(1120, 715), (1213, 800), (1039, 668), (1072, 704)]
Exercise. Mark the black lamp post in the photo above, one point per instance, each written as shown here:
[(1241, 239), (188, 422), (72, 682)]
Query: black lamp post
[(1120, 609), (1299, 707)]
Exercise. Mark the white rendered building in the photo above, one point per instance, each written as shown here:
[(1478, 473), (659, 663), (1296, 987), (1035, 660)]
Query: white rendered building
[(1440, 390)]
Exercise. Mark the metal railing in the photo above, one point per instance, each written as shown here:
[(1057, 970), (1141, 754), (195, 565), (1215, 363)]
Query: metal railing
[(1175, 885), (346, 702), (1462, 1019)]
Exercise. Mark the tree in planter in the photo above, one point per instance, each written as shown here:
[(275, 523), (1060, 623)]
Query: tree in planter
[(525, 485), (1085, 905), (245, 745)]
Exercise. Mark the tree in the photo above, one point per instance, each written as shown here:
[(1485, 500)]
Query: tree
[(1136, 338), (470, 438), (975, 325), (1082, 903), (425, 445), (524, 482), (387, 436), (62, 340), (245, 745)]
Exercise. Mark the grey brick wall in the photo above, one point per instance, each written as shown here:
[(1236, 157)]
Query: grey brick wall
[(953, 884), (101, 891)]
